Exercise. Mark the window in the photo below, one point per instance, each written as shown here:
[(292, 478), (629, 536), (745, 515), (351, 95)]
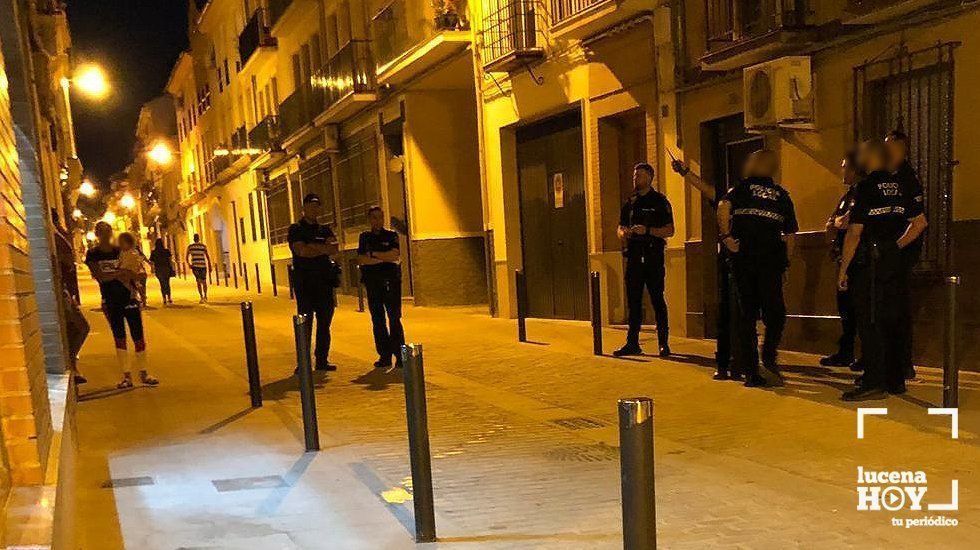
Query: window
[(241, 226), (277, 201), (258, 196), (357, 175), (316, 177), (251, 216), (913, 92)]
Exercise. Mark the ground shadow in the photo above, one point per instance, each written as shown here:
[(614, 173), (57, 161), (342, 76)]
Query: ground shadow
[(534, 343), (630, 359), (695, 360), (380, 379), (227, 421), (276, 391), (102, 393)]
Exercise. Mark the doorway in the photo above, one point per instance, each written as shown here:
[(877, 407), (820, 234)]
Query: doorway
[(551, 179), (725, 145)]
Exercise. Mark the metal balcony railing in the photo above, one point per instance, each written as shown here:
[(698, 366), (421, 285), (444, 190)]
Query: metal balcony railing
[(729, 21), (276, 9), (299, 109), (255, 35), (350, 70), (265, 135), (239, 139), (390, 32), (509, 30), (563, 10)]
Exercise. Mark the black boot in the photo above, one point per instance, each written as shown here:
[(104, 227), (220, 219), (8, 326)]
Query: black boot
[(628, 349)]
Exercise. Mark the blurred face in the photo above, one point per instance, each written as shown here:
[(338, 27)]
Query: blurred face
[(103, 232), (871, 158), (125, 244), (641, 179), (896, 153), (377, 219), (761, 164), (312, 210), (848, 172)]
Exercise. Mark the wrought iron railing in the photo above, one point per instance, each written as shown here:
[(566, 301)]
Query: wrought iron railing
[(299, 109), (239, 139), (265, 134), (563, 10), (508, 28), (255, 35), (729, 21), (276, 9), (350, 70), (390, 32)]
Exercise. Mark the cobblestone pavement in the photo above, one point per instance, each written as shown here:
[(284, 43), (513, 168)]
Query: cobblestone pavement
[(523, 436)]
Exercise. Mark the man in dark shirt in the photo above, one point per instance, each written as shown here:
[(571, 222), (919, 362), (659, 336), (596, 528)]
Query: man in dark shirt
[(871, 265), (645, 222), (836, 230), (378, 254), (754, 218), (315, 274), (900, 167)]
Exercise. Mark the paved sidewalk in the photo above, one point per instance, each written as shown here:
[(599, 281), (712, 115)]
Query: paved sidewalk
[(523, 436)]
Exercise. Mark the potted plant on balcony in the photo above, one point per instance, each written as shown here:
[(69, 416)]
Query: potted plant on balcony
[(447, 15)]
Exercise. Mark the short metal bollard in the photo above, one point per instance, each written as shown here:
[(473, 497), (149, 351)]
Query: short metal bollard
[(951, 370), (289, 279), (595, 291), (258, 279), (245, 275), (637, 474), (234, 272), (210, 269), (302, 329), (418, 443), (272, 275), (226, 275), (520, 287), (251, 355)]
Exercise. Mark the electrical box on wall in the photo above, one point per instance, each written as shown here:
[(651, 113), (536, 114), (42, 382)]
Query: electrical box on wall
[(779, 94)]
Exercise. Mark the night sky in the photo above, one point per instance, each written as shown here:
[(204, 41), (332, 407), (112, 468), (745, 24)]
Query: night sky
[(137, 42)]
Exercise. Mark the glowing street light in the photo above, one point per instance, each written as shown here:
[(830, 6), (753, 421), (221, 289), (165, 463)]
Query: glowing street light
[(87, 188), (127, 201), (91, 80), (109, 218), (90, 236), (76, 213), (160, 153)]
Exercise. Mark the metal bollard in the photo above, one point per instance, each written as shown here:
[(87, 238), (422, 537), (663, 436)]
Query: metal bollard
[(289, 279), (302, 328), (360, 291), (418, 443), (951, 370), (258, 279), (226, 276), (251, 355), (245, 276), (210, 269), (520, 285), (234, 272), (595, 291), (272, 274), (636, 473)]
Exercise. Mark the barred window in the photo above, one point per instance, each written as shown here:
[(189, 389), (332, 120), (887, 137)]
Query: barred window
[(277, 201), (358, 178)]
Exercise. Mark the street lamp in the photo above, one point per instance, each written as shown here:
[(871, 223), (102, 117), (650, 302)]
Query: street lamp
[(76, 213), (127, 201), (87, 188), (161, 154), (109, 218), (91, 80)]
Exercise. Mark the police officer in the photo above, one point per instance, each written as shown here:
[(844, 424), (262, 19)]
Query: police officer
[(378, 254), (315, 275), (755, 218), (897, 144), (871, 267), (836, 230), (645, 222)]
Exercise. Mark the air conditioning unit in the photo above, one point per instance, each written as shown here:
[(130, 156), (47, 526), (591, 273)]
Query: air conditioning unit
[(778, 93)]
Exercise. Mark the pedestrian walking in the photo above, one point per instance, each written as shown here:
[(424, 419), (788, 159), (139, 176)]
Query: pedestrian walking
[(836, 228), (119, 304), (883, 222), (897, 144), (315, 275), (755, 219), (65, 255), (645, 222), (200, 261), (378, 254), (163, 268)]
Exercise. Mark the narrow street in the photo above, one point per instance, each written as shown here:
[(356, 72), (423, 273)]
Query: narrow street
[(524, 441)]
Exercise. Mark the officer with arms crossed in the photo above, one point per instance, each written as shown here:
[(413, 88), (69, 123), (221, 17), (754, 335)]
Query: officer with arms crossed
[(315, 275), (378, 254), (645, 222), (871, 268), (755, 217)]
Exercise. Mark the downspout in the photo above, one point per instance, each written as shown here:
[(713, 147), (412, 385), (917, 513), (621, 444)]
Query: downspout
[(476, 13)]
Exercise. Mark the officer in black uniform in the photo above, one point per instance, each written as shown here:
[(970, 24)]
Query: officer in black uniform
[(645, 222), (755, 218), (315, 275), (898, 163), (836, 230), (378, 253), (871, 267)]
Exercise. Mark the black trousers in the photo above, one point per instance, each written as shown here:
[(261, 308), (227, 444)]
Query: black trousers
[(646, 271), (909, 259), (758, 288), (164, 286), (876, 285), (119, 316), (726, 314), (848, 321), (384, 297), (316, 298)]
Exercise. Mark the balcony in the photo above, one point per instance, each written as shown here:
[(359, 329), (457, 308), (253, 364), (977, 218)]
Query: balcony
[(406, 47), (744, 32), (265, 135), (255, 35), (298, 110), (578, 19), (239, 139), (510, 35), (347, 82), (276, 10), (868, 12)]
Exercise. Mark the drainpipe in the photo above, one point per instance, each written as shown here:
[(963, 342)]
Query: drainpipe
[(476, 13)]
